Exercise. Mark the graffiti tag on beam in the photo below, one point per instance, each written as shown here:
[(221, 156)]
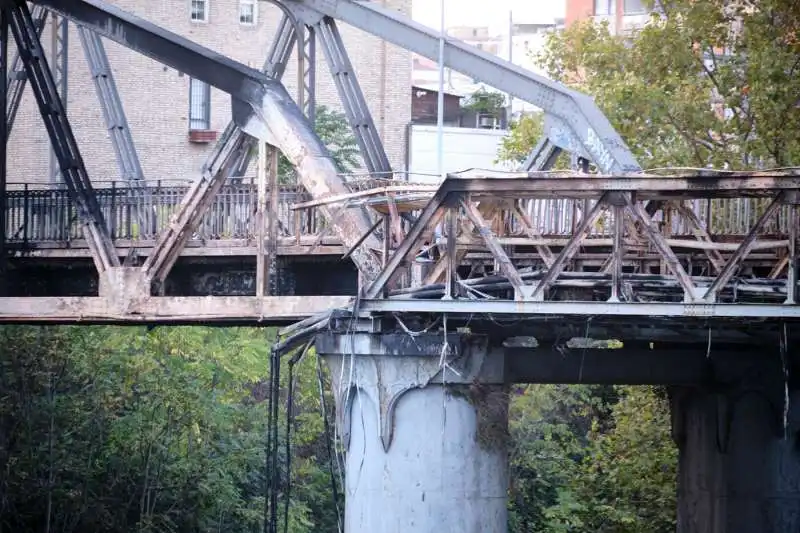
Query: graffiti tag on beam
[(602, 157)]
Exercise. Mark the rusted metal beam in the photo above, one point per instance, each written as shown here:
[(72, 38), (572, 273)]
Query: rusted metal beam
[(449, 257), (430, 216), (262, 264), (617, 253), (166, 310), (641, 216), (506, 266), (794, 254), (194, 205), (272, 222), (527, 225), (744, 248), (646, 187), (569, 250), (702, 235)]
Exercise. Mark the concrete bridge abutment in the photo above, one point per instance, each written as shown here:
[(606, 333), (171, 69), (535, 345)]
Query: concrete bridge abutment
[(425, 432), (424, 419)]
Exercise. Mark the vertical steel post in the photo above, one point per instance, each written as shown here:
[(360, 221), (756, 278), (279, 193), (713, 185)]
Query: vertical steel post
[(309, 52), (306, 70), (440, 100), (794, 254), (60, 55), (272, 221), (262, 268), (3, 142)]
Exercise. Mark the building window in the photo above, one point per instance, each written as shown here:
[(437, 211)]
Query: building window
[(248, 12), (604, 7), (633, 7), (199, 105), (198, 10)]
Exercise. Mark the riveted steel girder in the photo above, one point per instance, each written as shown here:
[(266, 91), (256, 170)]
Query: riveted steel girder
[(577, 111), (65, 147)]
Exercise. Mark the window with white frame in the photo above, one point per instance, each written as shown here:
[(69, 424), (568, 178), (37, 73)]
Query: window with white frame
[(199, 105), (633, 7), (604, 7), (198, 10), (248, 12)]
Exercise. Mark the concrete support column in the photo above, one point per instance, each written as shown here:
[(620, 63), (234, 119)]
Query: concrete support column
[(425, 442), (739, 467)]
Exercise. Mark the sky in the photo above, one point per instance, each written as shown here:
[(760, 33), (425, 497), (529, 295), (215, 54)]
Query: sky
[(492, 13)]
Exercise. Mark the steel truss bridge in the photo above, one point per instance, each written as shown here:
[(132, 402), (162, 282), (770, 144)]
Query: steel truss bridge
[(692, 247)]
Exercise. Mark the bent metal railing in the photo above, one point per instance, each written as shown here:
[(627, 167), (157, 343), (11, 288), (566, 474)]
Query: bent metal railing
[(40, 214)]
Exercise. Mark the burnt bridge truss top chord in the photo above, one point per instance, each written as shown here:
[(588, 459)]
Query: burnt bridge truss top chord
[(626, 251)]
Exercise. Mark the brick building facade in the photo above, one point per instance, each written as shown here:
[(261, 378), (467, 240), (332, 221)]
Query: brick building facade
[(620, 14), (156, 98)]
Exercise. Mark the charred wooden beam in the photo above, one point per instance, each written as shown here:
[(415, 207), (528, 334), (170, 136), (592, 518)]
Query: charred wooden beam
[(640, 215), (617, 253), (702, 235), (735, 261), (530, 230), (569, 250)]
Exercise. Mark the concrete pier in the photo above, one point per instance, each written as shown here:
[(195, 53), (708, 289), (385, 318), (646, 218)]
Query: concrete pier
[(426, 442), (739, 468)]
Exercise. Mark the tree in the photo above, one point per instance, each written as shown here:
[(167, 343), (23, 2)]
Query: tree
[(550, 435), (702, 83), (129, 430), (626, 481), (334, 131), (523, 135), (484, 101)]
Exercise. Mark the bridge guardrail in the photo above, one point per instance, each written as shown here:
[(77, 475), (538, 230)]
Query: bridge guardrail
[(36, 214), (41, 214)]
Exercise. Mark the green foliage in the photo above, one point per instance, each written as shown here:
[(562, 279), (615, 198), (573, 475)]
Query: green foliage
[(334, 131), (591, 459), (710, 82), (484, 101), (523, 135), (130, 430), (111, 429)]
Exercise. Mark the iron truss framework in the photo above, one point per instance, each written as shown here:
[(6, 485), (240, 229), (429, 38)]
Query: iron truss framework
[(619, 259), (532, 271)]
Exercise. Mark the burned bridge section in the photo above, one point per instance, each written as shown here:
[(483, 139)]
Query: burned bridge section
[(49, 254), (722, 243)]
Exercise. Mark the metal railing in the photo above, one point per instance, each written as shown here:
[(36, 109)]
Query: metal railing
[(720, 217), (36, 214)]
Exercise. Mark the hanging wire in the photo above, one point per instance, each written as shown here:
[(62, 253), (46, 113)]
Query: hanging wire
[(268, 445), (289, 423), (333, 457), (272, 480)]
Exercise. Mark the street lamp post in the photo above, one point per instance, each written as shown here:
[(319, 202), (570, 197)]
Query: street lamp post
[(440, 102)]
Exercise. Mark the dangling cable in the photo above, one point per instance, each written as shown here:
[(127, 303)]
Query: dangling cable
[(289, 423), (268, 446), (274, 478), (333, 458)]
